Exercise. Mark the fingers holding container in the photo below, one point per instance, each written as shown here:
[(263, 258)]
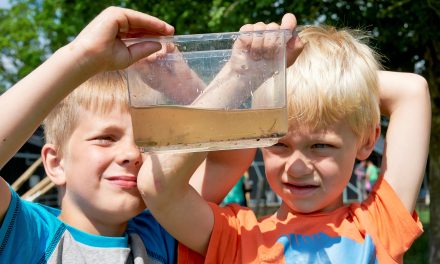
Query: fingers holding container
[(263, 41), (294, 45)]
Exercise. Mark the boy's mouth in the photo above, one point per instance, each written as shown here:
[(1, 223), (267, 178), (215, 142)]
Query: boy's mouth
[(125, 182), (301, 189)]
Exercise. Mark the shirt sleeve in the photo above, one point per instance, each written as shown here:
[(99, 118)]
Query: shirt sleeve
[(395, 227), (28, 232), (225, 242)]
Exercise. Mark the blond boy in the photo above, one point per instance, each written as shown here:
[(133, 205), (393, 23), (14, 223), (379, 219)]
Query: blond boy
[(90, 153), (335, 95)]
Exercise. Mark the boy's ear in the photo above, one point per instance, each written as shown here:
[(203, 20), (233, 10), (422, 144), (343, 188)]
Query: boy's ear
[(53, 164), (367, 146)]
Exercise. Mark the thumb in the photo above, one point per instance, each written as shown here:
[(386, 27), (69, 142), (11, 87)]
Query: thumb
[(294, 45), (143, 49), (293, 48)]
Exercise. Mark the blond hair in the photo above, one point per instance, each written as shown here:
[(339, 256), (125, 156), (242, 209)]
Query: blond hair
[(334, 78), (100, 94)]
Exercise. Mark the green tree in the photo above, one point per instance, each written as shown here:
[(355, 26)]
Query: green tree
[(404, 31)]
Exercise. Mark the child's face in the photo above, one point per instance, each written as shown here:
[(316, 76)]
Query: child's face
[(310, 169), (100, 166)]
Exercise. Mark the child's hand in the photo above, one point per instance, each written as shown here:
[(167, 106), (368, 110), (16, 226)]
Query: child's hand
[(172, 77), (253, 52), (252, 56), (100, 41), (294, 46)]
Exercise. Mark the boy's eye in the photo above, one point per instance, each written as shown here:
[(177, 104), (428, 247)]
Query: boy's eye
[(321, 146), (279, 144), (104, 139), (278, 147)]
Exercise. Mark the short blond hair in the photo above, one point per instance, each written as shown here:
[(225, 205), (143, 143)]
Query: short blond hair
[(334, 78), (100, 94)]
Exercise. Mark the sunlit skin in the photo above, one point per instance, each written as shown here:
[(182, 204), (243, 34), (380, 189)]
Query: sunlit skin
[(310, 169), (100, 167)]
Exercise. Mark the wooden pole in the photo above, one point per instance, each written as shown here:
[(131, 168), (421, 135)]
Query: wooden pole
[(38, 187), (41, 192)]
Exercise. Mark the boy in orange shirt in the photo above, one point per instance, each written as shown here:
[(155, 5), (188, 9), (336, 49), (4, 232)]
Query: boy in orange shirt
[(336, 94)]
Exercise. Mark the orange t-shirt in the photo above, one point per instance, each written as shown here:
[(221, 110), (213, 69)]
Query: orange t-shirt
[(378, 230)]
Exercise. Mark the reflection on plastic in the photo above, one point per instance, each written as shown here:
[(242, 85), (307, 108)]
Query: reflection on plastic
[(210, 92)]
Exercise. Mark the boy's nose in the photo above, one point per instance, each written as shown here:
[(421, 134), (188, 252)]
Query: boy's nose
[(298, 165), (130, 154)]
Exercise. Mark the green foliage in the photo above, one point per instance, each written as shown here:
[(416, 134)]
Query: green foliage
[(19, 42), (33, 29)]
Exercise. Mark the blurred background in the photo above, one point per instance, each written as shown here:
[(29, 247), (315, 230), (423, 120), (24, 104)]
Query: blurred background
[(405, 32)]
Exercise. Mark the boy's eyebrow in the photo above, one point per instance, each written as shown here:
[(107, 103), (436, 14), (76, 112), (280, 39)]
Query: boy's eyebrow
[(110, 127), (105, 127)]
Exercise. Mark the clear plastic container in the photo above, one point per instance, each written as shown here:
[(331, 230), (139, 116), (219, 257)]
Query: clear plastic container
[(210, 92)]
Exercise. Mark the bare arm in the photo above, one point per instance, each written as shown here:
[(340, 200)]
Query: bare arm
[(405, 99), (220, 171), (97, 48), (228, 166), (182, 84), (164, 184), (251, 69)]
